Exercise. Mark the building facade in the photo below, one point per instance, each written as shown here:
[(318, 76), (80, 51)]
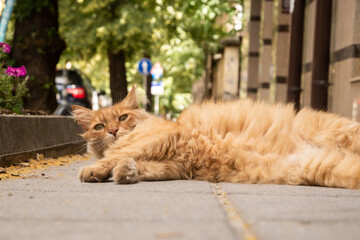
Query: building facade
[(301, 51)]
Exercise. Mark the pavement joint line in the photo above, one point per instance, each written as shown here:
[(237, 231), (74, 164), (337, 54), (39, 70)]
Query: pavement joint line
[(241, 228)]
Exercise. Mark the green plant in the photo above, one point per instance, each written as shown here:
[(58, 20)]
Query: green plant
[(12, 84)]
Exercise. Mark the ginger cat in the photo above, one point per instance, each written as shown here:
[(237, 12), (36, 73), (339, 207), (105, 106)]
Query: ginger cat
[(241, 142)]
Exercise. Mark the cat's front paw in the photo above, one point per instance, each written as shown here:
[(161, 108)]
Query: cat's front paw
[(126, 172), (94, 173)]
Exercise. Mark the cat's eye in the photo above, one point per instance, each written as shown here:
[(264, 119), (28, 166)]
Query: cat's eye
[(123, 117), (99, 127)]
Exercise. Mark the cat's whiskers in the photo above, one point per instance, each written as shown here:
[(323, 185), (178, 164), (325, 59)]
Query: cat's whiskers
[(81, 148), (109, 139), (99, 144)]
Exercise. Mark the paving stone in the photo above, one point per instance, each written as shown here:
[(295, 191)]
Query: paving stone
[(56, 205)]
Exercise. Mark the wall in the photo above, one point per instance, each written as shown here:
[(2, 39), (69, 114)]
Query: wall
[(344, 97)]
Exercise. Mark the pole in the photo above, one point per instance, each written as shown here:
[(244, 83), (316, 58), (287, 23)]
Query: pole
[(321, 56), (145, 90), (156, 107), (296, 48)]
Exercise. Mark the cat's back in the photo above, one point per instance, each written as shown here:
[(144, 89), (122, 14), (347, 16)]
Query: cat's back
[(236, 116)]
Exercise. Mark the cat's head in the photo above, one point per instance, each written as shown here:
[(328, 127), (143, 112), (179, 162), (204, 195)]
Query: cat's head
[(103, 127)]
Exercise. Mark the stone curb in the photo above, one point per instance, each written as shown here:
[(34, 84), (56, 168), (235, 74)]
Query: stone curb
[(22, 137)]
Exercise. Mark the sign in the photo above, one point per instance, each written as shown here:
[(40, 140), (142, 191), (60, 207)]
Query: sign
[(144, 66), (157, 88), (157, 71)]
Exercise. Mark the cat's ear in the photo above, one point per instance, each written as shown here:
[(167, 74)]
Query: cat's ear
[(131, 100), (83, 116)]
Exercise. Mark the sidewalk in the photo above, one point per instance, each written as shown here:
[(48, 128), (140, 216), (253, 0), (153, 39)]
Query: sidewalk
[(54, 204)]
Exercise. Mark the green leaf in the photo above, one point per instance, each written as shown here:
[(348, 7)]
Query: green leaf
[(17, 108)]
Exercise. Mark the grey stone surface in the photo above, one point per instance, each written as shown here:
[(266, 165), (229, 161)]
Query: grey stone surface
[(21, 137), (297, 212), (54, 204), (59, 206)]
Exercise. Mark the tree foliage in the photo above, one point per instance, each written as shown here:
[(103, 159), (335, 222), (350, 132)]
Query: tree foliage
[(92, 27), (176, 33)]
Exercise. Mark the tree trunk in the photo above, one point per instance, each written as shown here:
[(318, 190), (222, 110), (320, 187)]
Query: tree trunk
[(118, 83), (38, 46)]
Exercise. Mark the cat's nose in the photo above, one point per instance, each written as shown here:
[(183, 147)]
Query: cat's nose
[(113, 131)]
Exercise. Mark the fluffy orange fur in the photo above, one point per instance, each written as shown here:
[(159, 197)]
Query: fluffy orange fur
[(240, 141)]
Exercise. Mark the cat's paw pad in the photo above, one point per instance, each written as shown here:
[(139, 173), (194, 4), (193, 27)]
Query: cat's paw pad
[(126, 172), (93, 174)]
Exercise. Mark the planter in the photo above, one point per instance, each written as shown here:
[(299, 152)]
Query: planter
[(22, 137)]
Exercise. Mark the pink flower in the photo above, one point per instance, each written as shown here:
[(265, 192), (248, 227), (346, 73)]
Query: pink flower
[(5, 47), (17, 72)]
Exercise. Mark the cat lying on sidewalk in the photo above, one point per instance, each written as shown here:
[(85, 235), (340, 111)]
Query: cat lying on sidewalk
[(240, 141)]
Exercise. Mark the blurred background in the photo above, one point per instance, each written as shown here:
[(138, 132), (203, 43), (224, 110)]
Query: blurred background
[(91, 53), (106, 39)]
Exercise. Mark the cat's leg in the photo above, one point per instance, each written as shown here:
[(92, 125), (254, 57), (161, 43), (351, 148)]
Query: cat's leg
[(309, 165), (130, 171), (334, 167), (127, 170), (349, 138), (328, 130), (100, 171)]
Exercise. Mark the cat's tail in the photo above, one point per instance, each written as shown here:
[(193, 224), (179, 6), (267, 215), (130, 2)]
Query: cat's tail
[(334, 167)]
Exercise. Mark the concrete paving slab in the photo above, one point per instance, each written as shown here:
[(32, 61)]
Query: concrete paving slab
[(54, 204), (117, 205), (115, 230), (297, 212), (59, 206)]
